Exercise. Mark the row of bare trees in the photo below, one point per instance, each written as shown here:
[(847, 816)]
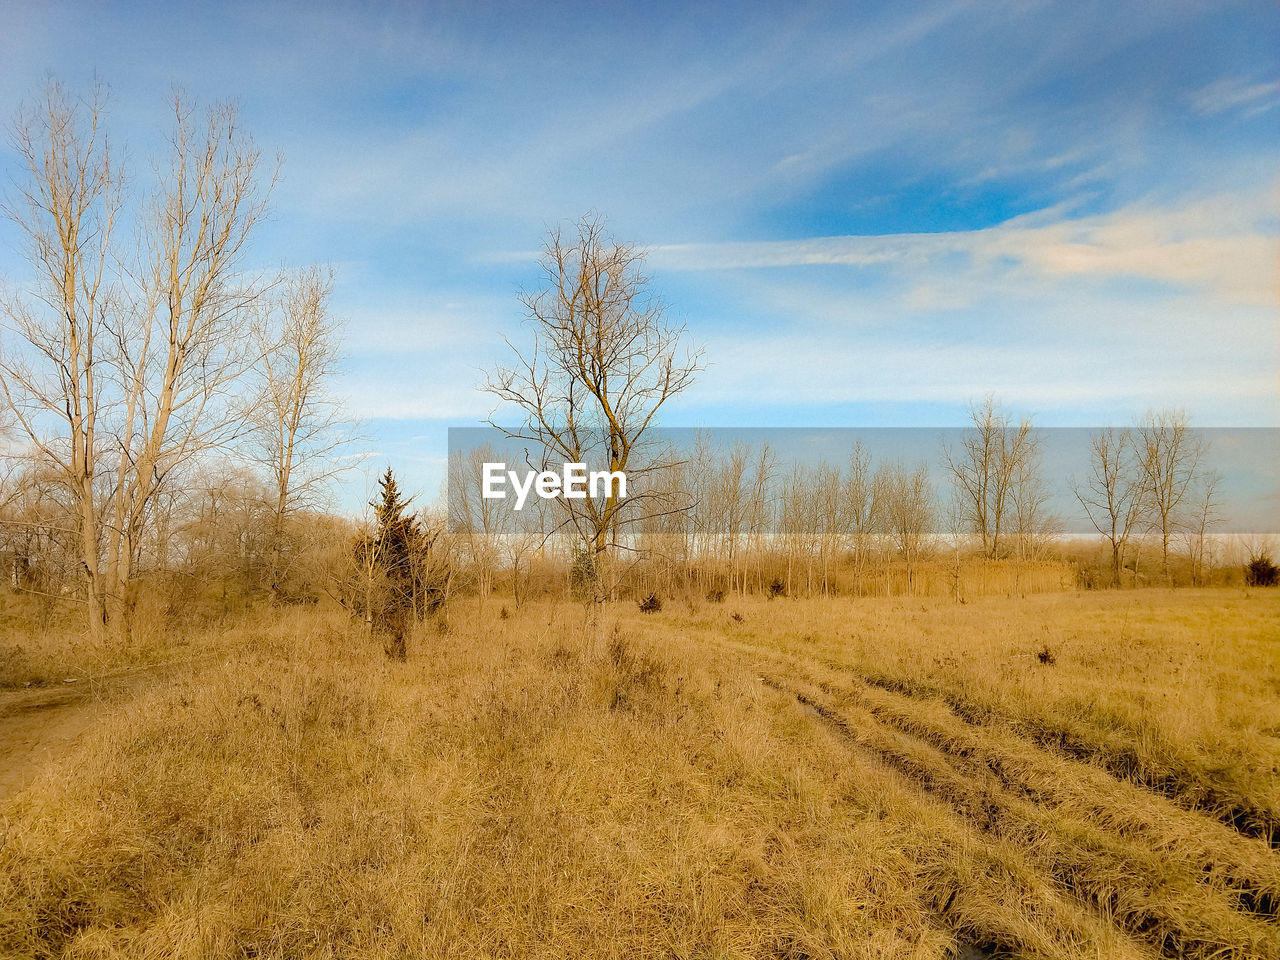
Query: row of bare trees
[(1151, 479), (738, 512), (144, 347), (738, 519)]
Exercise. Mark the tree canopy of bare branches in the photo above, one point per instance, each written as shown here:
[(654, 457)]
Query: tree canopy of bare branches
[(1169, 455), (300, 426), (993, 472), (130, 340), (1111, 494), (603, 362)]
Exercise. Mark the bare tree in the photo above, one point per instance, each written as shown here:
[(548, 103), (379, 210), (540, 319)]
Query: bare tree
[(694, 481), (864, 498), (1169, 455), (300, 426), (994, 457), (1035, 527), (125, 375), (481, 522), (1202, 517), (524, 540), (180, 350), (799, 522), (957, 532), (604, 361), (831, 511), (909, 513), (728, 498), (760, 506), (1111, 495), (54, 386)]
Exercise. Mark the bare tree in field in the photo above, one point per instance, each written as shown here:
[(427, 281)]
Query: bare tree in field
[(1169, 455), (759, 510), (864, 498), (300, 426), (732, 501), (909, 513), (799, 522), (1202, 516), (181, 348), (123, 376), (1111, 494), (525, 538), (483, 523), (603, 362), (694, 478), (1035, 527), (995, 456), (55, 384), (716, 508)]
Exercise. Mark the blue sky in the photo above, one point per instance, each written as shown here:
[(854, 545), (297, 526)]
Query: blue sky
[(869, 214)]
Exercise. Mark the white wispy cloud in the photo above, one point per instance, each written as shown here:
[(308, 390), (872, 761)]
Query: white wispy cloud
[(1234, 93), (1226, 245)]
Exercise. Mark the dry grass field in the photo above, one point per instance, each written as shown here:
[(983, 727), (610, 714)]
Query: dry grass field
[(1067, 775)]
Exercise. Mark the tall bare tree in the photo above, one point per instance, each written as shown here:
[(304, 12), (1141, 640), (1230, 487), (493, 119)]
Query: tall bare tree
[(525, 538), (799, 522), (604, 361), (1111, 494), (730, 497), (864, 497), (1202, 516), (1170, 456), (994, 457), (126, 366), (54, 383), (1035, 527), (301, 427), (760, 509), (180, 349), (482, 523), (909, 513)]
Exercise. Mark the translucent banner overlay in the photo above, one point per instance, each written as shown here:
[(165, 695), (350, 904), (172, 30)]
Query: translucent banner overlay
[(791, 479)]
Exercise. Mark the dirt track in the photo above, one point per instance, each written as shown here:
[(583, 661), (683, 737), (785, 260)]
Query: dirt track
[(38, 724)]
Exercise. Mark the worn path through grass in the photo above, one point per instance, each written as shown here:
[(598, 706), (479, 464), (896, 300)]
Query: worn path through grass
[(41, 723)]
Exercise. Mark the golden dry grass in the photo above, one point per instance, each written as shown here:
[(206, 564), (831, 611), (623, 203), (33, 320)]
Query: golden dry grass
[(44, 643), (870, 778)]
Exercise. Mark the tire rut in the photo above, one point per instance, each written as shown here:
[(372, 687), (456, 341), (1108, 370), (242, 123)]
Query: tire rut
[(1219, 911), (1121, 760), (1087, 863)]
